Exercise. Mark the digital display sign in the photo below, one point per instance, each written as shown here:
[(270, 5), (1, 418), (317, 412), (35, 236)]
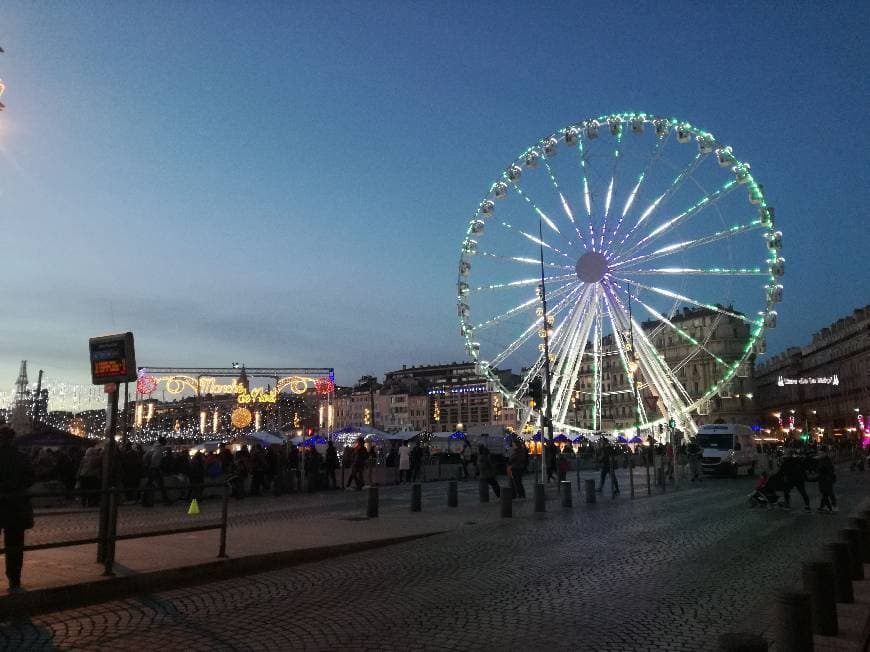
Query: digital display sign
[(113, 359)]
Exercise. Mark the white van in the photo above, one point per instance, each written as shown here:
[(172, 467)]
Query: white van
[(726, 448)]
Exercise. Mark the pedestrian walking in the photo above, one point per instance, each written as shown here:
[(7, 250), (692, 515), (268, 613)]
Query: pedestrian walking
[(486, 469), (550, 455), (155, 460), (416, 462), (89, 476), (794, 476), (131, 471), (562, 467), (518, 461), (16, 512), (371, 462), (331, 464), (694, 453), (607, 468), (359, 463), (466, 456), (404, 463), (827, 478)]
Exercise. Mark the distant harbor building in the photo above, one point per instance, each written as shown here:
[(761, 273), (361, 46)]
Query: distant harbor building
[(435, 398)]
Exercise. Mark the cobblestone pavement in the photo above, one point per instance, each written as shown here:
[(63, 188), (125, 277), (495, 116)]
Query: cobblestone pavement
[(664, 573)]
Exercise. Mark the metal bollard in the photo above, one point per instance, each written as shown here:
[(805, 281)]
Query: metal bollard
[(590, 491), (225, 508), (565, 488), (818, 578), (483, 491), (840, 557), (794, 622), (740, 642), (540, 497), (631, 478), (648, 484), (860, 523), (372, 504), (416, 497), (452, 493), (855, 539), (507, 497)]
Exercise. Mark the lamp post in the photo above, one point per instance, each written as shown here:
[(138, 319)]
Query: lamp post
[(547, 416)]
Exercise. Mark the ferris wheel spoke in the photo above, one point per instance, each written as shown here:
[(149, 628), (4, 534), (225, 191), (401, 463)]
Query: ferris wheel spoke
[(653, 368), (680, 247), (525, 282), (533, 238), (581, 341), (682, 297), (640, 414), (656, 155), (571, 363), (705, 202), (677, 182), (659, 316), (587, 193), (691, 271), (521, 308), (542, 215), (609, 197), (531, 330), (523, 260), (566, 207), (565, 331)]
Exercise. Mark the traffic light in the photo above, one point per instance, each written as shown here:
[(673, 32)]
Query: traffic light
[(536, 391), (805, 436)]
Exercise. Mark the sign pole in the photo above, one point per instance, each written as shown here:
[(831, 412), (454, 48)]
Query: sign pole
[(108, 458)]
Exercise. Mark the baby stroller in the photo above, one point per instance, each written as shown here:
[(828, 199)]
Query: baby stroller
[(765, 494)]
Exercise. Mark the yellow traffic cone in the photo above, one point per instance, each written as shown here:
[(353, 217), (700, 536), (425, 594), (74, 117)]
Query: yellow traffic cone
[(194, 508)]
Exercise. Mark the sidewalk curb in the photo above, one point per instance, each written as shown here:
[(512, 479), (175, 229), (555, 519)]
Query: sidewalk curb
[(31, 603)]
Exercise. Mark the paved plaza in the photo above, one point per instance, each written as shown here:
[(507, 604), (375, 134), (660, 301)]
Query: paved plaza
[(667, 572)]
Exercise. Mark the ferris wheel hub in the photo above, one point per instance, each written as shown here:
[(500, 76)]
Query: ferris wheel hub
[(592, 267)]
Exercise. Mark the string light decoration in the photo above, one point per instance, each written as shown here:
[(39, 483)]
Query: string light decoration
[(146, 385), (241, 418), (324, 386)]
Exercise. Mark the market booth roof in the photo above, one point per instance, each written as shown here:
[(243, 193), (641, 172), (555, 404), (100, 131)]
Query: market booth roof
[(404, 435), (261, 437), (49, 436)]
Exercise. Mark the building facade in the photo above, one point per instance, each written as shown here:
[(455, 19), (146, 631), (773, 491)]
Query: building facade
[(824, 385), (697, 370)]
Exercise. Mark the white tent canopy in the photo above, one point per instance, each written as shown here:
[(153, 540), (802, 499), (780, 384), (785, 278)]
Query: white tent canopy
[(404, 435)]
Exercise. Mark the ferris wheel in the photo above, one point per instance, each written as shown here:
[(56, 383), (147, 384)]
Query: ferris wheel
[(661, 269)]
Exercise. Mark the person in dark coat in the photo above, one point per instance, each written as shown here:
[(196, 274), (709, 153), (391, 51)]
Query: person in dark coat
[(486, 469), (331, 464), (518, 461), (16, 513), (359, 464), (794, 475)]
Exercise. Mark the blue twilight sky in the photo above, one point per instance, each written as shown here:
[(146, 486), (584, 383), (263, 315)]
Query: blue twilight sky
[(287, 183)]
